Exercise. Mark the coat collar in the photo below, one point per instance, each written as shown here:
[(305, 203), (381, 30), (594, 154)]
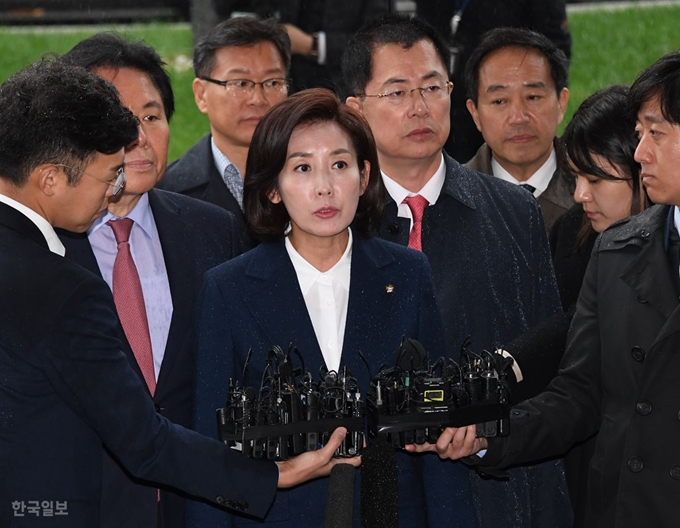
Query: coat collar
[(648, 274)]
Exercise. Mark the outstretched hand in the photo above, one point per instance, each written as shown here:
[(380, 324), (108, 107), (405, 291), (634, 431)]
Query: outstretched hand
[(313, 464), (453, 443)]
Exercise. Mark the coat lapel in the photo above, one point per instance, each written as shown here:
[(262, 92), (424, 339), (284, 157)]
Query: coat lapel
[(180, 269), (649, 274), (369, 287), (271, 284)]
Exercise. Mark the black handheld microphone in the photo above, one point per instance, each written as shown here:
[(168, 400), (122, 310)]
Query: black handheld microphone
[(340, 501), (379, 485)]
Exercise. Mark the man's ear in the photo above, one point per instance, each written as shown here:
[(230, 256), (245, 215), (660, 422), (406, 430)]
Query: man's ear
[(354, 102), (472, 108), (562, 102), (48, 178), (198, 87)]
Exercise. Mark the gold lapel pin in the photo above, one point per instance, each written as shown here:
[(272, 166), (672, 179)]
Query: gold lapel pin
[(389, 288)]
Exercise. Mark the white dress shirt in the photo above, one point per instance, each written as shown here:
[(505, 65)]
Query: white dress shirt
[(53, 242), (430, 191), (326, 296), (539, 180)]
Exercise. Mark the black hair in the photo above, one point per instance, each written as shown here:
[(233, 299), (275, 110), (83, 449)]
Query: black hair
[(269, 149), (662, 80), (109, 50), (604, 126), (239, 32), (506, 37), (405, 31), (51, 112)]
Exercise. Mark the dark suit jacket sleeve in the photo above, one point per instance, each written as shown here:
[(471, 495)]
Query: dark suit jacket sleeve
[(568, 411), (213, 365), (82, 359)]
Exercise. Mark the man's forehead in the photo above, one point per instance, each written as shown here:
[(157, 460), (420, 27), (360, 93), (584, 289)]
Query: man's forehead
[(650, 111), (394, 61), (526, 64), (246, 58)]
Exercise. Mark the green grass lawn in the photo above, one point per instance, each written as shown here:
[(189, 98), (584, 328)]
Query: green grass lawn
[(609, 47)]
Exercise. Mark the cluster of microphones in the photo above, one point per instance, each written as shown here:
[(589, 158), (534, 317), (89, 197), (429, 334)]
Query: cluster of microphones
[(410, 402)]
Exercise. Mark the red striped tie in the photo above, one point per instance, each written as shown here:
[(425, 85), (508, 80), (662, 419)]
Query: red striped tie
[(417, 204), (129, 299)]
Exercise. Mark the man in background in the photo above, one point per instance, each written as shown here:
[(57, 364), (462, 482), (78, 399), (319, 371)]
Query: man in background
[(319, 31), (463, 23), (241, 69), (517, 98)]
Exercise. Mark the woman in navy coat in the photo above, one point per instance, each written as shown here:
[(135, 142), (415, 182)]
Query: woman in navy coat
[(320, 282)]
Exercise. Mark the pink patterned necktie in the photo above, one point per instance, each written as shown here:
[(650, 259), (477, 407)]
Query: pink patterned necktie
[(129, 299), (417, 204)]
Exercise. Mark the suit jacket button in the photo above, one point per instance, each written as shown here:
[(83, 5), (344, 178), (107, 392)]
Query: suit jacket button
[(243, 506), (635, 465), (675, 472), (220, 500), (393, 228), (643, 408), (644, 233), (637, 353)]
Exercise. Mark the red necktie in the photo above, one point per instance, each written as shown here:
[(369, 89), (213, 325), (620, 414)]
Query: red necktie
[(417, 204), (129, 299)]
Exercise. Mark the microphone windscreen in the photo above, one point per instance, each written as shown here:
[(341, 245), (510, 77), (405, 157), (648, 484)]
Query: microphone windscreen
[(340, 501), (379, 485)]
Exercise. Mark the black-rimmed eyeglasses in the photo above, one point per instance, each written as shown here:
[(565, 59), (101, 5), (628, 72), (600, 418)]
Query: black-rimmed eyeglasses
[(245, 87)]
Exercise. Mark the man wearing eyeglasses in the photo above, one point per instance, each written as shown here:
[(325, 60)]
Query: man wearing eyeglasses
[(241, 68), (152, 247), (485, 241)]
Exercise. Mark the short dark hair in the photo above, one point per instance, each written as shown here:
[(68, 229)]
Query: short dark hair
[(109, 50), (239, 32), (405, 31), (269, 148), (662, 80), (54, 113), (501, 38), (604, 126)]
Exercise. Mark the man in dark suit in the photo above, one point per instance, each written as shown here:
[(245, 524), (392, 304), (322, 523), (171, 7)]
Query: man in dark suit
[(241, 68), (484, 238), (66, 389), (619, 373), (174, 241), (517, 93)]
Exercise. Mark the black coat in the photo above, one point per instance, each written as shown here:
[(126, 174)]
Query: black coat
[(618, 375)]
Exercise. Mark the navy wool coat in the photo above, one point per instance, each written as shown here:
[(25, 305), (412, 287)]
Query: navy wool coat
[(254, 301)]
